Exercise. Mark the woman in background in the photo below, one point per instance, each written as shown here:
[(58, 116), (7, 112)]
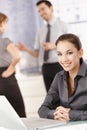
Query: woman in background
[(9, 57), (67, 97)]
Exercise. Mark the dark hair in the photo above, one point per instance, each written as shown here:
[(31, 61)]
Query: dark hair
[(3, 18), (72, 38), (48, 3)]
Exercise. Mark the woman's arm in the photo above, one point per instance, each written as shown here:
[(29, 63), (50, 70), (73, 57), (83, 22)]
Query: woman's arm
[(76, 115), (69, 114), (12, 49), (51, 102)]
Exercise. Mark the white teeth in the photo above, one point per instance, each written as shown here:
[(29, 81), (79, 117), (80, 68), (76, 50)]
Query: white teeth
[(66, 65)]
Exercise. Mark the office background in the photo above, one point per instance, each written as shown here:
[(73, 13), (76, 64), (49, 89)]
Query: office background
[(23, 23)]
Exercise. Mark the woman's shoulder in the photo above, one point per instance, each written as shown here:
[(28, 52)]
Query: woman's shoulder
[(4, 42), (60, 74)]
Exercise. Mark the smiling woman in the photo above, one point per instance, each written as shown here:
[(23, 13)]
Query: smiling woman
[(69, 87), (69, 54)]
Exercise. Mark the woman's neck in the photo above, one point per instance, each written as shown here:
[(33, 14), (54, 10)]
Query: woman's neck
[(73, 73)]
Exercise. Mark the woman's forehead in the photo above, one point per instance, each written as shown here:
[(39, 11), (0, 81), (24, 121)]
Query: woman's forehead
[(65, 44)]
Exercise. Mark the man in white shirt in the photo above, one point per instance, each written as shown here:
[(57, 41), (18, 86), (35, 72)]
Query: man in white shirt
[(51, 66)]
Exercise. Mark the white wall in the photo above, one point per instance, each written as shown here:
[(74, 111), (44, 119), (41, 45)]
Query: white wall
[(33, 91)]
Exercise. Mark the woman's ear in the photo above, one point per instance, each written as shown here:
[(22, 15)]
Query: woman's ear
[(80, 53), (52, 8)]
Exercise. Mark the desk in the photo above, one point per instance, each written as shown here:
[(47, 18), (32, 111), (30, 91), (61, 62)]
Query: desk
[(47, 124), (41, 124)]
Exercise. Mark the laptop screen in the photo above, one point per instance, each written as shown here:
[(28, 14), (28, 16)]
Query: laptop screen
[(9, 119)]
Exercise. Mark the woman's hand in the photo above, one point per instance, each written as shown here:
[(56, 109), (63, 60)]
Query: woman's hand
[(8, 72), (61, 113)]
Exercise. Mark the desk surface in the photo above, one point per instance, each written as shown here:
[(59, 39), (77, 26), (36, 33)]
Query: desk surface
[(47, 124), (40, 123)]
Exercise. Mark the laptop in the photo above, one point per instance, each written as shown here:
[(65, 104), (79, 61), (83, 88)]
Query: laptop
[(10, 120)]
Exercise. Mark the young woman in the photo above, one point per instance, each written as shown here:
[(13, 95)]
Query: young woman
[(67, 97), (9, 57)]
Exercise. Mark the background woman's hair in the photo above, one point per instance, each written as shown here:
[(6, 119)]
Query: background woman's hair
[(3, 18)]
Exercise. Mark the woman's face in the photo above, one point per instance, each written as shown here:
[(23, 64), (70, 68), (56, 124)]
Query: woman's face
[(3, 26), (68, 56)]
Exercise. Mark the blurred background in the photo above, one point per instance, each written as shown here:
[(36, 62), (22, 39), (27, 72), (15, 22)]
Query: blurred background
[(23, 23)]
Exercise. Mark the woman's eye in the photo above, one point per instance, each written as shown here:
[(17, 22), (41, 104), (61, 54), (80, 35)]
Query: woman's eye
[(70, 53), (59, 54)]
